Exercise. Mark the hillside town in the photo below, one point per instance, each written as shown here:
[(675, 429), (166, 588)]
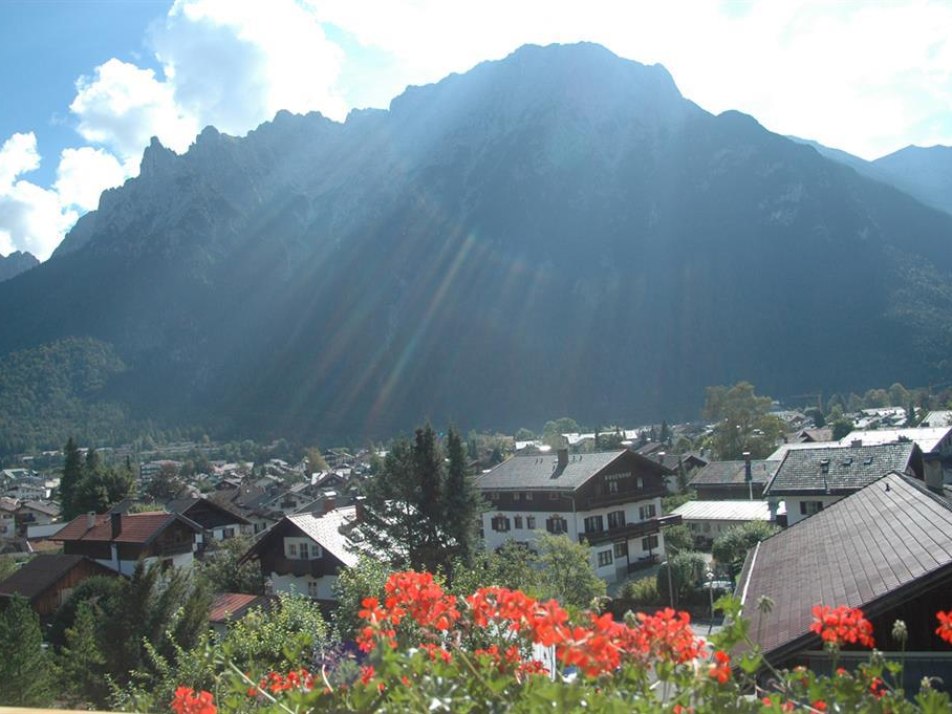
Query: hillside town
[(865, 519)]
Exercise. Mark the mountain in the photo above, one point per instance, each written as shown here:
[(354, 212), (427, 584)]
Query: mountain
[(923, 173), (16, 263), (559, 232)]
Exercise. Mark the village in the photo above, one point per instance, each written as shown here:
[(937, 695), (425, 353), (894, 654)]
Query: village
[(864, 519)]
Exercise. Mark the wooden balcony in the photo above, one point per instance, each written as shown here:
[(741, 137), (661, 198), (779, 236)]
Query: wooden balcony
[(629, 530)]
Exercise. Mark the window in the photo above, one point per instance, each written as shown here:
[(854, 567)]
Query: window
[(620, 549), (649, 542), (228, 533), (613, 487), (707, 527), (500, 524), (292, 550), (640, 482), (530, 523), (494, 495), (556, 524), (312, 588), (604, 558), (646, 512), (304, 551), (594, 524), (516, 496), (808, 508), (529, 496), (616, 519), (553, 496), (517, 523)]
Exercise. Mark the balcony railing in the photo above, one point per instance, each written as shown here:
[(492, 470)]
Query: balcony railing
[(629, 530)]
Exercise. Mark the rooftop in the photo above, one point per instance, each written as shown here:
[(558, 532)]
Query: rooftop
[(542, 472), (866, 550), (136, 527), (838, 469), (40, 573), (926, 438), (733, 472), (724, 511)]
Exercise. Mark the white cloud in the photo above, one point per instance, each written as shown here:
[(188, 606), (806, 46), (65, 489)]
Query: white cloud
[(31, 218), (35, 219), (83, 175), (123, 106), (232, 64)]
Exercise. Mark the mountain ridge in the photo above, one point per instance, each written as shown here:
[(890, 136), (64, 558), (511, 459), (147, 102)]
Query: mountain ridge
[(529, 239)]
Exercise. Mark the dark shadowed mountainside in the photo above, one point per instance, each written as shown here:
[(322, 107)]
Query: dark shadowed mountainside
[(559, 232), (16, 263)]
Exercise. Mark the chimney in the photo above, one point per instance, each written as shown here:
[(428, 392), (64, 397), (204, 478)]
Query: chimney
[(359, 508), (932, 470), (748, 472), (563, 458), (115, 520), (856, 443), (329, 503), (90, 520)]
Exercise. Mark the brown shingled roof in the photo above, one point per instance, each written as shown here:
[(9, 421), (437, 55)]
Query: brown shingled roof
[(871, 550), (41, 573)]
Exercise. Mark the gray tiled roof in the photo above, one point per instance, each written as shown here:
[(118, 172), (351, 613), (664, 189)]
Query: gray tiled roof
[(732, 472), (847, 468), (858, 552), (536, 472)]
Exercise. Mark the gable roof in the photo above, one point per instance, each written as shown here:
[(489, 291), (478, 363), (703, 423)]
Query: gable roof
[(183, 506), (837, 469), (721, 473), (42, 572), (136, 527), (46, 507), (927, 438), (326, 529), (542, 472), (233, 606), (871, 550)]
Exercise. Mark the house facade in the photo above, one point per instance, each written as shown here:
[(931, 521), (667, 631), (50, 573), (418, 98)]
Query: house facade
[(811, 479), (304, 553), (610, 500), (47, 581), (119, 541)]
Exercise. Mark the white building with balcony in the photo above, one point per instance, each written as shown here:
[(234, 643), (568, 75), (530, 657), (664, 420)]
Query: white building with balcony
[(610, 500)]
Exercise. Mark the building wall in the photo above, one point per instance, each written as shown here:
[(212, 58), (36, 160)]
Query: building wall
[(321, 588), (493, 539), (794, 502)]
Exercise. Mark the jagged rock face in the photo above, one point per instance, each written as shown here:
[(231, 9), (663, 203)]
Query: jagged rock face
[(556, 233), (16, 263)]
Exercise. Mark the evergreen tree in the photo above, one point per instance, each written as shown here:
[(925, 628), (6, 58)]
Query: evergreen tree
[(82, 660), (72, 474), (26, 676), (462, 503), (415, 511)]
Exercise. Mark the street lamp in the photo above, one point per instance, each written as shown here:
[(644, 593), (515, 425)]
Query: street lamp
[(710, 591)]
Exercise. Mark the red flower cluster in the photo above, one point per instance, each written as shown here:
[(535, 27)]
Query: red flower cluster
[(186, 701), (944, 630), (721, 669), (842, 625), (596, 649), (275, 682), (414, 595)]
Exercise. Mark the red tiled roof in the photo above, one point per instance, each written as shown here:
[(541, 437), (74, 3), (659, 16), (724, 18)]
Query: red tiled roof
[(231, 606), (136, 528)]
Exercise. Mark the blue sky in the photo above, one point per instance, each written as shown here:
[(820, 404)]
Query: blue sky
[(86, 83)]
